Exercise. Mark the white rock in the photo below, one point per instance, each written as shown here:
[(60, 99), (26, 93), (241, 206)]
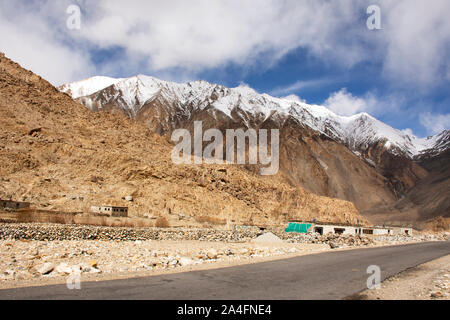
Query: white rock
[(212, 254), (45, 268), (184, 261), (94, 270), (83, 267), (173, 262), (64, 268)]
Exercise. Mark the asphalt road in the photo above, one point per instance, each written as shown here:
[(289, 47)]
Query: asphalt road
[(330, 275)]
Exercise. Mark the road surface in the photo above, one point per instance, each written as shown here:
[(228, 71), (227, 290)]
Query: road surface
[(330, 275)]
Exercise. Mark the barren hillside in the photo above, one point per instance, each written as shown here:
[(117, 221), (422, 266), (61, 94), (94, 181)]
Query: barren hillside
[(429, 199), (356, 158), (59, 155)]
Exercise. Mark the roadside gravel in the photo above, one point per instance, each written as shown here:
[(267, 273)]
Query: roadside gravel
[(38, 254)]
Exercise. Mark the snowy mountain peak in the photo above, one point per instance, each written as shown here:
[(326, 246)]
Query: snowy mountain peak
[(357, 132), (88, 86)]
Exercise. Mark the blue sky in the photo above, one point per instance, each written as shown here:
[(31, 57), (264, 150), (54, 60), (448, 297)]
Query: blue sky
[(320, 51)]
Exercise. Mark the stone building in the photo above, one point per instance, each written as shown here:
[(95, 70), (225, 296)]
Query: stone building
[(14, 205), (113, 211)]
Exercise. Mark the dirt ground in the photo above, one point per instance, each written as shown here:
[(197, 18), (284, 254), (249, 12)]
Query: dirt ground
[(429, 281)]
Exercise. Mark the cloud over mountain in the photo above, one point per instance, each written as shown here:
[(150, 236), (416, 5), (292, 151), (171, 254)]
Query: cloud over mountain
[(198, 35)]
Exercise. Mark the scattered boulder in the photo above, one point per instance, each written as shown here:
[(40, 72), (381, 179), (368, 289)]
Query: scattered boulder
[(172, 261), (184, 261), (333, 245), (94, 270), (64, 268), (45, 268), (212, 254)]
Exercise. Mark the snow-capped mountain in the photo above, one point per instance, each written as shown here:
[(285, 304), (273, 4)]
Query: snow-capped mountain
[(88, 86), (356, 158), (133, 95)]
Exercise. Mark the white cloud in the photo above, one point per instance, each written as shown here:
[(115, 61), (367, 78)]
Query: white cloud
[(295, 98), (28, 37), (197, 35), (417, 38), (299, 85), (345, 104), (193, 36), (434, 122)]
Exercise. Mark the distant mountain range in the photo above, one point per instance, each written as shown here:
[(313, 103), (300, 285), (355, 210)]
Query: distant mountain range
[(134, 95)]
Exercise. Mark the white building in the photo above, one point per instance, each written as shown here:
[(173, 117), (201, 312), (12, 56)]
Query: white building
[(403, 231), (324, 229), (113, 211)]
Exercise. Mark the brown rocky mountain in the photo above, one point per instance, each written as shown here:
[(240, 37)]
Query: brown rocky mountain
[(428, 198), (58, 155), (358, 158)]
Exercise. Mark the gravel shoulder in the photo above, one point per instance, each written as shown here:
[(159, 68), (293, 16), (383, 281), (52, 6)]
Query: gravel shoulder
[(121, 260), (428, 281)]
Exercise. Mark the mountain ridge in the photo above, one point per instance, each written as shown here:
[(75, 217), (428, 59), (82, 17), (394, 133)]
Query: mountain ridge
[(356, 158), (353, 130), (60, 156)]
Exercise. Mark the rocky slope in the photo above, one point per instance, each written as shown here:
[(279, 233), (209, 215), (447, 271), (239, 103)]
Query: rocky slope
[(355, 158), (428, 199), (59, 155)]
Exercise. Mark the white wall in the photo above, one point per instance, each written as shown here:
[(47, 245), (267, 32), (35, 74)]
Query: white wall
[(402, 231), (352, 230), (330, 229), (381, 231)]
